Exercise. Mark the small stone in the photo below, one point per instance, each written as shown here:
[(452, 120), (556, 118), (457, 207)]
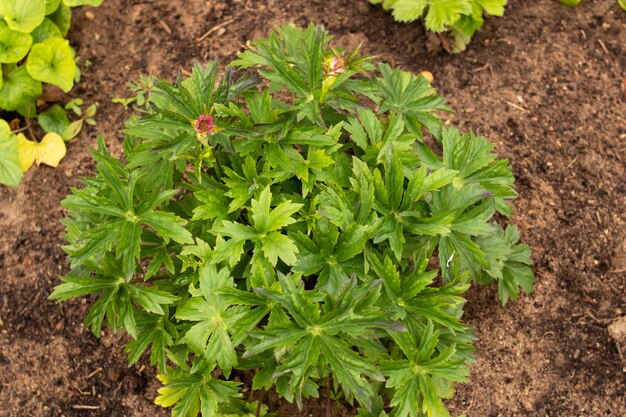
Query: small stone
[(89, 15), (617, 330), (528, 406)]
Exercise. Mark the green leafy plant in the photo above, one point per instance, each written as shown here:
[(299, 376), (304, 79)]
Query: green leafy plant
[(142, 89), (459, 19), (570, 3), (312, 230), (33, 52), (55, 119), (574, 3)]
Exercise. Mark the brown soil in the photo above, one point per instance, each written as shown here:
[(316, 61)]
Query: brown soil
[(545, 82)]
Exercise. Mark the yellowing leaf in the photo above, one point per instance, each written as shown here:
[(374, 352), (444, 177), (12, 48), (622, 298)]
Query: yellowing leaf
[(49, 151)]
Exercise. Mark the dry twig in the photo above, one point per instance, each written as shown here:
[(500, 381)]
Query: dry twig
[(213, 29)]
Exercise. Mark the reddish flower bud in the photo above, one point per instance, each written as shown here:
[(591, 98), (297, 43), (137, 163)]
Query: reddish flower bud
[(204, 125), (335, 65)]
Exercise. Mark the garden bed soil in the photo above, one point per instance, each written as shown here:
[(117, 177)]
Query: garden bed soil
[(546, 83)]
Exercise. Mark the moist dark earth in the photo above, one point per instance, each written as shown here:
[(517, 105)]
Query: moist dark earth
[(546, 83)]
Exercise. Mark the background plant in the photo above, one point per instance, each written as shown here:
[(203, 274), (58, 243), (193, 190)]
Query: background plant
[(33, 52), (459, 19), (574, 3), (142, 89), (314, 233)]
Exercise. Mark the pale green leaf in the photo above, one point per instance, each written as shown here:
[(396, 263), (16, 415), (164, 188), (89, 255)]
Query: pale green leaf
[(46, 30), (18, 89), (443, 13), (62, 17), (76, 3), (52, 61), (409, 10), (10, 168), (493, 7), (51, 6), (14, 45), (23, 15)]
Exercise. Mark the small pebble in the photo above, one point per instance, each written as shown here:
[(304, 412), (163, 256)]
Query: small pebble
[(528, 406), (428, 75)]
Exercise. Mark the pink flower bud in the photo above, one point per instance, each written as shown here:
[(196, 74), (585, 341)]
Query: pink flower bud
[(204, 125), (335, 65)]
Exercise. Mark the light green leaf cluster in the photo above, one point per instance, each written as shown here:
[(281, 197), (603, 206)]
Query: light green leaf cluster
[(574, 3), (460, 18), (32, 52), (32, 31), (318, 225)]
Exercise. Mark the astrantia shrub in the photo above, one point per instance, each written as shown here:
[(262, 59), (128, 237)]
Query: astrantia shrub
[(310, 232), (455, 20)]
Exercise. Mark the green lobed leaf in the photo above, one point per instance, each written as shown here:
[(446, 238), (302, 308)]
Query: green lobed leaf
[(167, 225), (409, 10), (493, 7)]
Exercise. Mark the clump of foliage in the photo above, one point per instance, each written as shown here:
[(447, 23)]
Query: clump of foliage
[(141, 88), (33, 52), (459, 19), (574, 3), (311, 232)]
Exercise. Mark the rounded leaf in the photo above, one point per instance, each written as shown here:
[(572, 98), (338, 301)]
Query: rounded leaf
[(10, 169), (76, 3), (14, 45), (23, 15), (49, 151), (53, 120), (52, 61), (62, 17), (18, 89), (51, 6), (46, 30), (570, 3)]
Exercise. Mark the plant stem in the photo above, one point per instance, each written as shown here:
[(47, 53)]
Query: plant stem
[(328, 382), (259, 403), (218, 165), (21, 129)]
